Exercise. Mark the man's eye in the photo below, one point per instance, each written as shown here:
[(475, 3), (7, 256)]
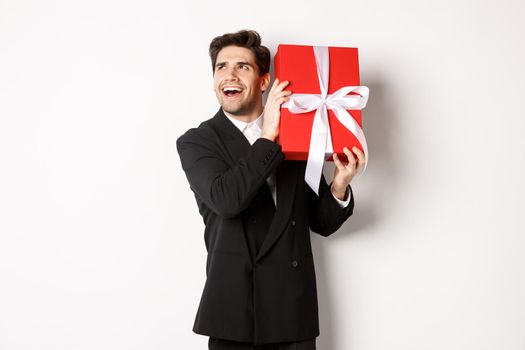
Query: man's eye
[(243, 66)]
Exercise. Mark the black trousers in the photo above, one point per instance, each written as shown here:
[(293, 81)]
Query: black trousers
[(222, 344)]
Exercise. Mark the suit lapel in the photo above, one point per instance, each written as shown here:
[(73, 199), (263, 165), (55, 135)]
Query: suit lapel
[(286, 177), (236, 143), (286, 180)]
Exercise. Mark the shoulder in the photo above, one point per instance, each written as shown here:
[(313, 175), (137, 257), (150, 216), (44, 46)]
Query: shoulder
[(204, 134), (193, 134)]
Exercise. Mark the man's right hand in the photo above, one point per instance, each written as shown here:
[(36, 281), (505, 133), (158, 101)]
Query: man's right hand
[(272, 109)]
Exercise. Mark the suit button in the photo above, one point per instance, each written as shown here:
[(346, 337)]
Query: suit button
[(293, 222), (253, 220), (295, 263)]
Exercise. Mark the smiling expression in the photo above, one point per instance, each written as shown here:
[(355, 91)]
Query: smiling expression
[(237, 83)]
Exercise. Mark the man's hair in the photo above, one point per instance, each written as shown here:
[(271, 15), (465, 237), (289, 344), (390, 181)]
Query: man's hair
[(248, 39)]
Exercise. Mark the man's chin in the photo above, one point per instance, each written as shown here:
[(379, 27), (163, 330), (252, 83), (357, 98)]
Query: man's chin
[(237, 108), (234, 110)]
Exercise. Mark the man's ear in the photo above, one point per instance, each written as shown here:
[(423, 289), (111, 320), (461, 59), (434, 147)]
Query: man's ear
[(265, 81)]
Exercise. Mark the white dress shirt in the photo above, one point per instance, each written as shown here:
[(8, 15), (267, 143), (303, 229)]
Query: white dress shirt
[(252, 131)]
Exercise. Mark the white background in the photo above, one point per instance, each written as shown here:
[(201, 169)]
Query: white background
[(101, 243)]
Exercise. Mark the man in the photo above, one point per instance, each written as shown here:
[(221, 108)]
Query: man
[(260, 290)]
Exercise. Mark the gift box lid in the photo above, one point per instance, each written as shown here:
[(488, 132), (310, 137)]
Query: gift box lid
[(296, 63)]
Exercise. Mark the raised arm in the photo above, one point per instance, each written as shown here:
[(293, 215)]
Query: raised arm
[(226, 190)]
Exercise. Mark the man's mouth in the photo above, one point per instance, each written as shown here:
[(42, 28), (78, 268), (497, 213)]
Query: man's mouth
[(231, 91)]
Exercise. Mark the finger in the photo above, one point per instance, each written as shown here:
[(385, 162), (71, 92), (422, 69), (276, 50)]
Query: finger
[(350, 156), (361, 156), (274, 86), (282, 100), (338, 162), (359, 153), (283, 93), (282, 85)]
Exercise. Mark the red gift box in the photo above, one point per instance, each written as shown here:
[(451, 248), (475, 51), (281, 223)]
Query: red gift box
[(297, 64)]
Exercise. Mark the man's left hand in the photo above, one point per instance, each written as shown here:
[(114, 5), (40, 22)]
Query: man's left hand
[(343, 173)]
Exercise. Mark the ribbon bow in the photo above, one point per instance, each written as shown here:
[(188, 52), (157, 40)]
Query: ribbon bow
[(339, 102)]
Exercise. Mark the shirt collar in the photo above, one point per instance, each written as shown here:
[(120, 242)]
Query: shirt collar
[(241, 125)]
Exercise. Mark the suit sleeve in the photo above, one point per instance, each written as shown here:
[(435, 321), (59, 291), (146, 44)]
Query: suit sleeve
[(226, 190), (342, 203), (326, 214)]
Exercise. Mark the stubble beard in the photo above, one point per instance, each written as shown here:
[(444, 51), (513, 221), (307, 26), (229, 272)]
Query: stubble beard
[(239, 109)]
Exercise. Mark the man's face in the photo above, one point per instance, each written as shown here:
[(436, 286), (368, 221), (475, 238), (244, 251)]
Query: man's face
[(237, 83)]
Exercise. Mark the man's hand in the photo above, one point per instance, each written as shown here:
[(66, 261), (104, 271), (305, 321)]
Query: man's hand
[(343, 173), (272, 109)]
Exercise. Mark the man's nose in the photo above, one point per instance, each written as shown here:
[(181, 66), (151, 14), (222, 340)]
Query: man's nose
[(231, 74)]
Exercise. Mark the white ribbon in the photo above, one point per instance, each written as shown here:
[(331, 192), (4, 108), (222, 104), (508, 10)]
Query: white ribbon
[(339, 102)]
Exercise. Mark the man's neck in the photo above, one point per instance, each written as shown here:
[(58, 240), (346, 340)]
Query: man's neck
[(245, 118)]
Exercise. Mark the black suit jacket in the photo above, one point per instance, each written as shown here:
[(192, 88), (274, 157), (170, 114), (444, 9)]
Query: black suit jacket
[(269, 296)]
